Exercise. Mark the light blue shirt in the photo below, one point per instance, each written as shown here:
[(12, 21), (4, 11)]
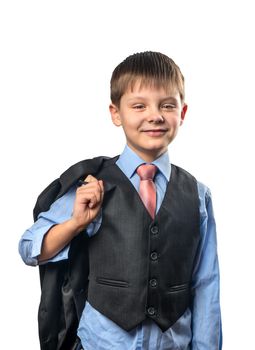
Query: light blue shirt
[(199, 328)]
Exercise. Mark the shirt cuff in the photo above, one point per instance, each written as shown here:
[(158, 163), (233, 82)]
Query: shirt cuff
[(31, 244), (94, 226)]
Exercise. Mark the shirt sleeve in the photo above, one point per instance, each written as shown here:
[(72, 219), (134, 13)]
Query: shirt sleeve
[(31, 241), (206, 316), (61, 210)]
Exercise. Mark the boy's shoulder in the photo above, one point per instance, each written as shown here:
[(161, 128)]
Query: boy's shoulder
[(67, 179), (179, 169), (204, 192), (182, 174)]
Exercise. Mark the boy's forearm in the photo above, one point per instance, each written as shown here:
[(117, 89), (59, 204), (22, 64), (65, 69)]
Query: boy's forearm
[(57, 238)]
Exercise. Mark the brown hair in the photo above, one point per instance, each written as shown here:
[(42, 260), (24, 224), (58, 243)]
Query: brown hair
[(150, 69)]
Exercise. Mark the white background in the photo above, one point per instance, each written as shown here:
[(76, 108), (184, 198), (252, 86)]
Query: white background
[(56, 62)]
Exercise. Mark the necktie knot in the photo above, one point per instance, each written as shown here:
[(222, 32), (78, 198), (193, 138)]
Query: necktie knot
[(146, 171)]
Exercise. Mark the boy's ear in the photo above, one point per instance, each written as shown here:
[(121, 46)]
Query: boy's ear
[(183, 113), (114, 110)]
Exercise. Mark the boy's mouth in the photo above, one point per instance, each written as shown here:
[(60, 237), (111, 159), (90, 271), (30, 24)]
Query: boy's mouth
[(155, 132)]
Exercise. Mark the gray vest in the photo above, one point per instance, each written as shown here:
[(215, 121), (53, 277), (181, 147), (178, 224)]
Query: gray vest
[(141, 267)]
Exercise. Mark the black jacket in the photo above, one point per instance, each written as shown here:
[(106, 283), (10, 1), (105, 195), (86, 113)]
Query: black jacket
[(63, 292)]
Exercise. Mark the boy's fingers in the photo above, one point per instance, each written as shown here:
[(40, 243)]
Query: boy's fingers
[(94, 186), (90, 178), (101, 185), (93, 191), (93, 201), (89, 195)]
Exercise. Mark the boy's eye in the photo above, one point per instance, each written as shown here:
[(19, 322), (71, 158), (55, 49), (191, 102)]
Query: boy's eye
[(138, 106), (168, 106)]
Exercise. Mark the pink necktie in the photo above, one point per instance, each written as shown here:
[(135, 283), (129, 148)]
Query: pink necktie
[(147, 188)]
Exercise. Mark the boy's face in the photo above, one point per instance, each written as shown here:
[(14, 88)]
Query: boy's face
[(150, 118)]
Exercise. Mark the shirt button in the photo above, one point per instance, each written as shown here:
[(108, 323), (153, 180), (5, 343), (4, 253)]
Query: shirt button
[(154, 230), (154, 256), (153, 282), (151, 311)]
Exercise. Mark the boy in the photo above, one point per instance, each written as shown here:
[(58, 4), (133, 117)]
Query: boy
[(151, 258)]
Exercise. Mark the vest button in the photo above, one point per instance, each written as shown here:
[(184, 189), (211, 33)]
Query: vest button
[(153, 282), (151, 311), (154, 230), (154, 256)]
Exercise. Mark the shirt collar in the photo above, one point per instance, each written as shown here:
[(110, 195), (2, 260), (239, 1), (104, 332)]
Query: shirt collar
[(129, 161)]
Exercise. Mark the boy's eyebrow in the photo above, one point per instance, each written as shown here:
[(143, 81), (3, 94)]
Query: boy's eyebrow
[(146, 98), (170, 98)]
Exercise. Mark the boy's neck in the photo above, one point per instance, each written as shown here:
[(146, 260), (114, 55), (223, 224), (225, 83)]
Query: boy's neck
[(149, 157)]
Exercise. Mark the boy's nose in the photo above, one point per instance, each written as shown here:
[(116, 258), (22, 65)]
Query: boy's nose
[(155, 117)]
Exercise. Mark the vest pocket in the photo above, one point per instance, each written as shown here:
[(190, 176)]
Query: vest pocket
[(178, 288), (111, 283)]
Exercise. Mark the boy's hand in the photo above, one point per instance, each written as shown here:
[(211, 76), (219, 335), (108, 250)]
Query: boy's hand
[(88, 202)]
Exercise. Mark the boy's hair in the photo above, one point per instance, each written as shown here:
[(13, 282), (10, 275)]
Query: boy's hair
[(150, 69)]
